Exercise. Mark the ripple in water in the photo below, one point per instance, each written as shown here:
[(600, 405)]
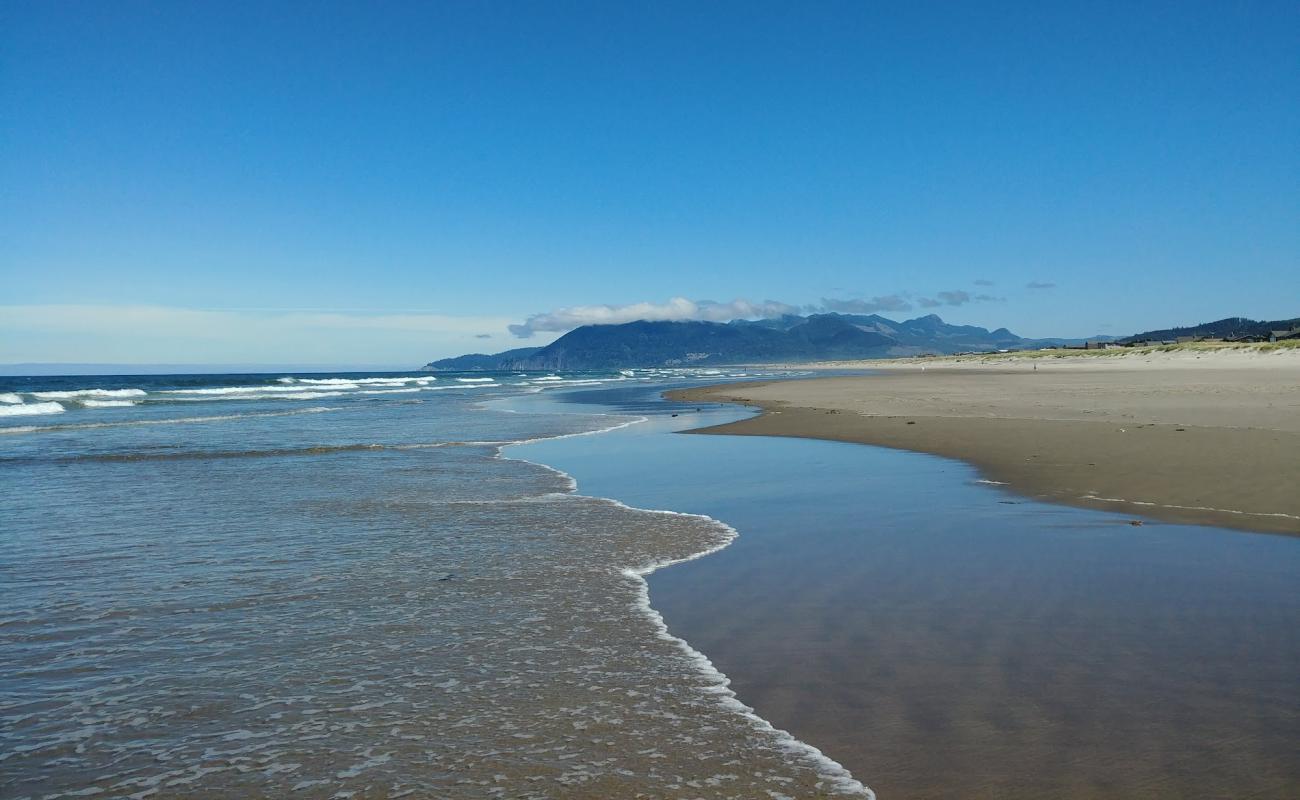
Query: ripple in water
[(359, 622)]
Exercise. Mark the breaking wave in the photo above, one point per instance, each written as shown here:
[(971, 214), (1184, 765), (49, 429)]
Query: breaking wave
[(77, 394), (30, 409), (108, 403)]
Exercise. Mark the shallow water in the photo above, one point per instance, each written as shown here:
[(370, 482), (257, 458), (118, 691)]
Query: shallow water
[(943, 638), (265, 592)]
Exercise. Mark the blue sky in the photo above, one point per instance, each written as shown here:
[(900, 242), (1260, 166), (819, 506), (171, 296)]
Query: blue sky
[(387, 183)]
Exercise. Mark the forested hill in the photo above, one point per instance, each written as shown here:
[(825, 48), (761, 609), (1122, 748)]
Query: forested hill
[(791, 338), (1219, 329)]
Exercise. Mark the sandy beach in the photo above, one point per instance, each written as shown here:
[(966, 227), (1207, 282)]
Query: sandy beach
[(1192, 437), (945, 639)]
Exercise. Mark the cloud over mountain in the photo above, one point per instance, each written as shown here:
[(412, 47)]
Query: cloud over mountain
[(889, 302), (956, 297), (681, 309), (675, 310)]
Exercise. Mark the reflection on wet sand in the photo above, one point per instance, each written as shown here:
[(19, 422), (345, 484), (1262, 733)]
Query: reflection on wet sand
[(943, 638)]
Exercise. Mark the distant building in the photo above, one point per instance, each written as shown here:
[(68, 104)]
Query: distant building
[(1281, 336)]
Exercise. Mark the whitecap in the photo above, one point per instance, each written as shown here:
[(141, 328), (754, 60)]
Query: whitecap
[(30, 409), (294, 395), (9, 397), (248, 392), (80, 393), (353, 382)]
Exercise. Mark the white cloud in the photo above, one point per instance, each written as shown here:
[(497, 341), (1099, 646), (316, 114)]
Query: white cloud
[(676, 309), (682, 309), (152, 334)]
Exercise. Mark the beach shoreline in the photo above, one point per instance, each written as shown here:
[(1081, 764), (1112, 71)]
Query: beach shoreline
[(1206, 438)]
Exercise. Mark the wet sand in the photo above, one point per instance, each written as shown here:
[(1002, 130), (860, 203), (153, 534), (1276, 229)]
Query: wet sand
[(944, 639), (1210, 441)]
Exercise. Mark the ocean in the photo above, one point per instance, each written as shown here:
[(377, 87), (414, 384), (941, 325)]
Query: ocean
[(340, 586)]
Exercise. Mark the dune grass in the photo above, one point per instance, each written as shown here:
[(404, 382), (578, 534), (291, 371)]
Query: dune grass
[(1121, 352)]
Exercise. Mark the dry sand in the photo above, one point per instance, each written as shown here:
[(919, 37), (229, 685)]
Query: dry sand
[(1195, 437)]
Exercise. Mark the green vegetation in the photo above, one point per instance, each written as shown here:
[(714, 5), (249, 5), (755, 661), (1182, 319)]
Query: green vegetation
[(1122, 352), (1287, 344), (1229, 328)]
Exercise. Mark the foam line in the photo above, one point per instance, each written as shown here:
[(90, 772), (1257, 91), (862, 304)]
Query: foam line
[(223, 391), (1190, 508), (171, 421), (77, 394), (360, 381), (834, 773), (280, 395)]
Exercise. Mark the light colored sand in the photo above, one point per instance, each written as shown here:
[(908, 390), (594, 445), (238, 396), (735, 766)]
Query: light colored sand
[(1209, 437)]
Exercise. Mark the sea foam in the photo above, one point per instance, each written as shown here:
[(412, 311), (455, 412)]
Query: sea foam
[(169, 421), (30, 409), (836, 778), (220, 391), (77, 394)]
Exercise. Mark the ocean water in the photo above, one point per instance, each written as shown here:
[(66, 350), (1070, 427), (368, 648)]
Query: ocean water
[(338, 586)]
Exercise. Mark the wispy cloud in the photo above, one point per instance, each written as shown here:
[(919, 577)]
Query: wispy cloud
[(126, 334), (956, 297), (676, 309), (983, 282), (889, 302), (680, 309), (1039, 285)]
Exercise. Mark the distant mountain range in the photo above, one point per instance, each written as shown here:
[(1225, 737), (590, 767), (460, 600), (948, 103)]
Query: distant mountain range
[(1229, 328), (819, 337)]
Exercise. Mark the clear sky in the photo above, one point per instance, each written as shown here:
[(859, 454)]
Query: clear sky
[(386, 183)]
